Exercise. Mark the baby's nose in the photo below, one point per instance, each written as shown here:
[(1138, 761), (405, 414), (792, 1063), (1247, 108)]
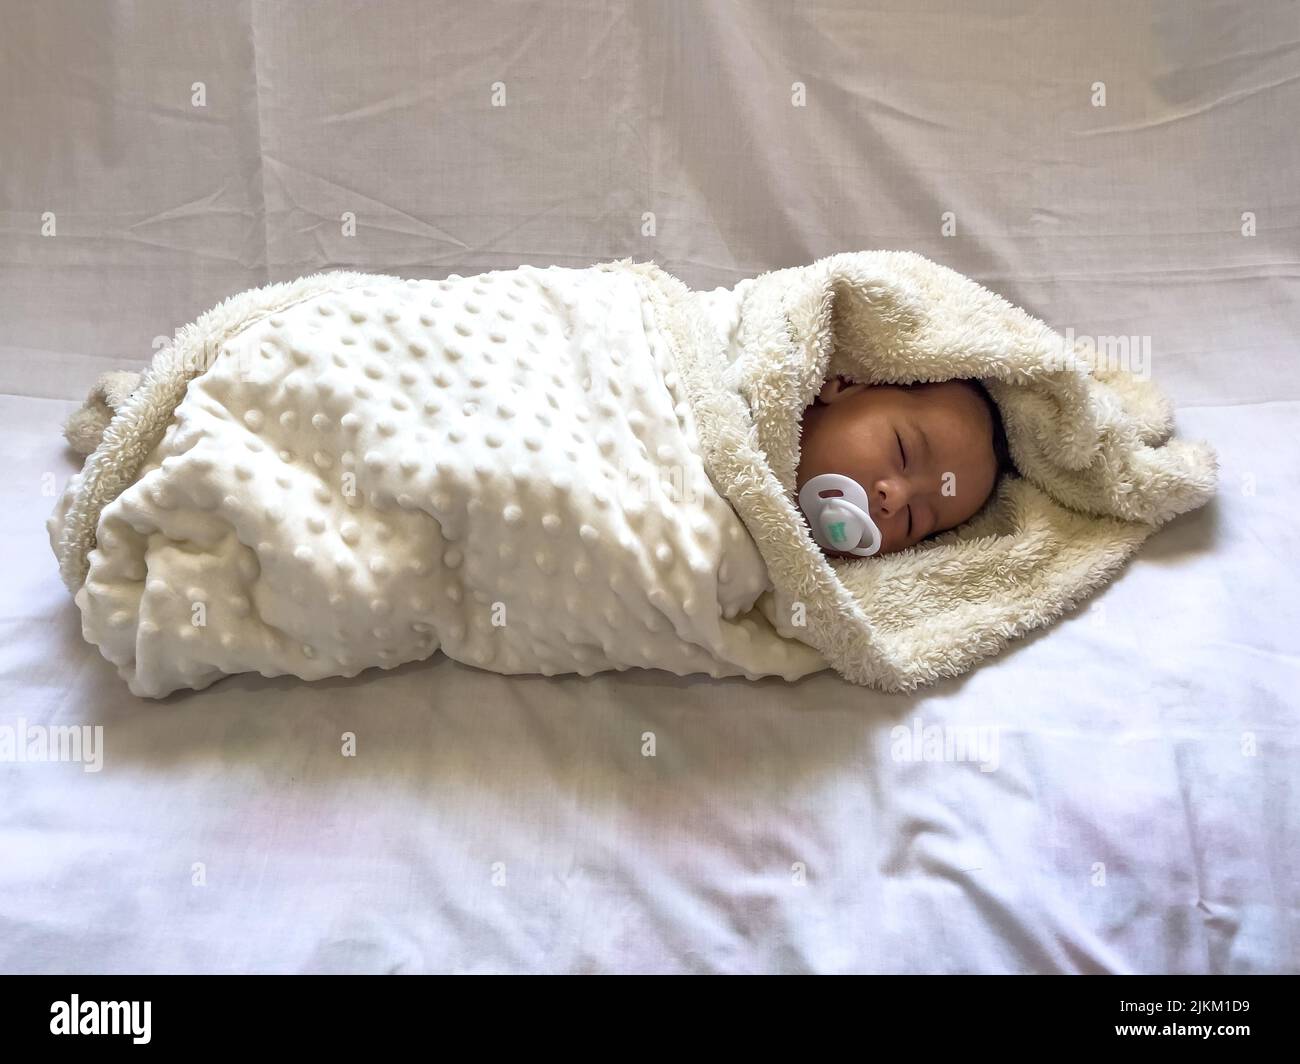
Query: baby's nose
[(889, 497)]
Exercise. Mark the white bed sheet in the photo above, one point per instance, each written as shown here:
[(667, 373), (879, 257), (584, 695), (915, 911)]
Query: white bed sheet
[(1143, 813)]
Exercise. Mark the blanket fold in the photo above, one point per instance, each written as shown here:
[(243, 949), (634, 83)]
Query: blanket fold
[(561, 470)]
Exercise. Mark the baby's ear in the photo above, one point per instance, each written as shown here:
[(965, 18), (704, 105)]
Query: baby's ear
[(837, 388)]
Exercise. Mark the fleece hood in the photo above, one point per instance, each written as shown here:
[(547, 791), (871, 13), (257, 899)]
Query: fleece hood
[(1098, 468)]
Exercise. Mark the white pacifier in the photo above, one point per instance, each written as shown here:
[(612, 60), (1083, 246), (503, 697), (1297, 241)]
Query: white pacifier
[(839, 514)]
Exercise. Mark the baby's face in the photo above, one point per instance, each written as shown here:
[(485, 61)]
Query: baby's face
[(923, 453)]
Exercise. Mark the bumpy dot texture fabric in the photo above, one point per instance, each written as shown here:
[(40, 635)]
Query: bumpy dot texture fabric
[(504, 467)]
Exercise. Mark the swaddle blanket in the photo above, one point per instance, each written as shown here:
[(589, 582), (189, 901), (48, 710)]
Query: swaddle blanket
[(575, 470)]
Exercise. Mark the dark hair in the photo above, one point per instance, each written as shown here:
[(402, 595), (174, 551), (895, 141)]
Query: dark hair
[(1001, 451)]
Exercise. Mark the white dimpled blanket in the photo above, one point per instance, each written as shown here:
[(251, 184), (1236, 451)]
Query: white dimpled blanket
[(503, 467), (576, 470)]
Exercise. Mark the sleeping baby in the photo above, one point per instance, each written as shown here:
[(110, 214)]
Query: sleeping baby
[(560, 470), (883, 467)]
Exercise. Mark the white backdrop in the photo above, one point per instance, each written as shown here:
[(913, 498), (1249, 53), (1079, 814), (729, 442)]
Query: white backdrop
[(1117, 169)]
